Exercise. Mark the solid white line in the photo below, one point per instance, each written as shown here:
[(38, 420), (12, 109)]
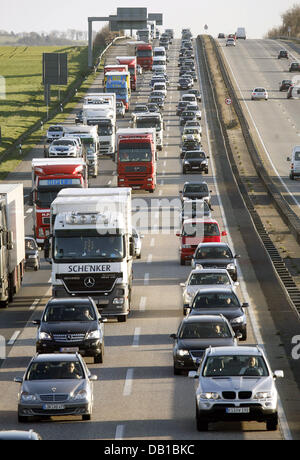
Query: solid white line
[(136, 337), (119, 432), (34, 304), (13, 338), (128, 383), (143, 301)]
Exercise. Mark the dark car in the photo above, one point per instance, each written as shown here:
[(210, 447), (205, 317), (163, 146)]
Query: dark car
[(71, 325), (285, 85), (184, 83), (283, 54), (216, 301), (78, 117), (195, 161), (189, 145), (159, 101), (196, 92), (216, 255), (221, 35), (153, 107), (32, 258), (181, 106), (186, 115), (294, 67), (194, 335), (195, 191)]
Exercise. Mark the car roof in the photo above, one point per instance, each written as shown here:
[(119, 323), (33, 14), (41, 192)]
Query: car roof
[(56, 357), (209, 270), (203, 318), (217, 289), (195, 183), (69, 300), (233, 350), (206, 220), (220, 244)]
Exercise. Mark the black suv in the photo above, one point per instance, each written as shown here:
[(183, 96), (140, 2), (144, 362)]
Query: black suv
[(216, 255), (186, 115), (70, 325), (285, 85), (189, 145), (283, 54), (195, 161), (294, 67)]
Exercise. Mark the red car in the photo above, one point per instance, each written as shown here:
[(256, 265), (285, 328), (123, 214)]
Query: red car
[(196, 231)]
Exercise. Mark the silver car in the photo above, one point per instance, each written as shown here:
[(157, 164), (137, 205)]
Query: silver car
[(56, 385), (259, 93), (236, 383), (137, 239), (120, 109)]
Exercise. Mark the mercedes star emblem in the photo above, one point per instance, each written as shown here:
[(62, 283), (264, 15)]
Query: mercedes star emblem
[(89, 282)]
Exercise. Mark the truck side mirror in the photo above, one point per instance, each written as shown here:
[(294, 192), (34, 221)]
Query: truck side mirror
[(47, 248), (10, 240), (131, 247), (30, 200)]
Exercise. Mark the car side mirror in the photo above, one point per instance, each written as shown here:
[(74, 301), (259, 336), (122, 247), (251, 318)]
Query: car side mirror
[(237, 256), (182, 285), (245, 305), (278, 374), (173, 336), (238, 335), (93, 378), (18, 380), (236, 283), (36, 322), (192, 375), (224, 233)]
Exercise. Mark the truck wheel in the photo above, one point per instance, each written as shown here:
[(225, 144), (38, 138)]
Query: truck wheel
[(182, 262), (292, 176), (122, 319), (86, 417)]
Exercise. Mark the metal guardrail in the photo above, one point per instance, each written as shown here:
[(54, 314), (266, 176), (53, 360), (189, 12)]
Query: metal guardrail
[(287, 214)]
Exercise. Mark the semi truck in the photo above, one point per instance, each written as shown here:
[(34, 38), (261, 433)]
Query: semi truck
[(118, 83), (143, 35), (49, 176), (92, 247), (12, 237), (144, 56), (131, 62), (114, 68), (151, 120), (136, 158)]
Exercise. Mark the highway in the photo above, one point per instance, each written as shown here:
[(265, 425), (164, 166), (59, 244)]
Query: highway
[(276, 122), (136, 395)]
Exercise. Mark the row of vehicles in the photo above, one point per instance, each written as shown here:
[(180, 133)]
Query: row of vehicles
[(233, 382)]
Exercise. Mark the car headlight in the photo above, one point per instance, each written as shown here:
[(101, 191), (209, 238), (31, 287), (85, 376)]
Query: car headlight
[(82, 394), (31, 257), (186, 162), (94, 335), (208, 396), (27, 397), (44, 336), (230, 267), (118, 301), (182, 352), (263, 395), (237, 320)]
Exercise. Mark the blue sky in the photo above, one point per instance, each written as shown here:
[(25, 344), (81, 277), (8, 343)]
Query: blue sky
[(257, 16)]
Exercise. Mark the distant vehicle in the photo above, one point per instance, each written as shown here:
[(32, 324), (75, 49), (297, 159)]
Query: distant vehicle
[(186, 115), (195, 161), (196, 190), (78, 117), (184, 83), (240, 33), (32, 258), (137, 238), (195, 209), (221, 35), (249, 394), (194, 132), (230, 42), (181, 106), (139, 69), (294, 67), (283, 54), (190, 144), (259, 93), (196, 92), (285, 84), (293, 92), (71, 378), (54, 132), (120, 109), (295, 162), (216, 255)]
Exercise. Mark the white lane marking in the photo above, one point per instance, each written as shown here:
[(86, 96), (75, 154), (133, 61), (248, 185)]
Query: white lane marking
[(136, 337), (13, 338), (257, 335), (109, 182), (143, 302), (128, 383), (160, 193), (152, 242), (29, 210), (146, 279), (149, 259), (34, 304), (119, 432)]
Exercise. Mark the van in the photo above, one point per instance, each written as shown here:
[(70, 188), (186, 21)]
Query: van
[(159, 51), (159, 64), (295, 162), (241, 33), (194, 232)]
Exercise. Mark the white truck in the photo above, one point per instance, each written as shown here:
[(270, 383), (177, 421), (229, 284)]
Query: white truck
[(12, 237), (151, 120), (100, 109), (90, 143), (240, 33), (92, 247)]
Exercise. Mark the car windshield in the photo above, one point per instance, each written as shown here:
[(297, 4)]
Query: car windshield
[(204, 330), (194, 155), (191, 131), (63, 142), (55, 129), (195, 188), (69, 313), (216, 300), (235, 365), (259, 90), (214, 252), (200, 229), (55, 370), (209, 278)]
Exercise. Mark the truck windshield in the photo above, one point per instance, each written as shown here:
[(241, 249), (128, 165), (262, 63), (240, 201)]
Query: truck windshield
[(45, 195), (87, 245), (105, 130), (134, 152), (144, 53), (149, 123)]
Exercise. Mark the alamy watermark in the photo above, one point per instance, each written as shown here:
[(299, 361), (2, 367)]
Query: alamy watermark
[(296, 348)]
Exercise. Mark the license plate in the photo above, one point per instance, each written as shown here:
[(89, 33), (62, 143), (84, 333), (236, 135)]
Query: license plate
[(53, 407), (237, 410), (69, 350), (195, 167)]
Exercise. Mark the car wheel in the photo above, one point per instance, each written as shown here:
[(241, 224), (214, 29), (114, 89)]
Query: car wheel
[(244, 336), (98, 359), (184, 171), (86, 417), (182, 261), (292, 176), (201, 424), (176, 371), (22, 419), (272, 423)]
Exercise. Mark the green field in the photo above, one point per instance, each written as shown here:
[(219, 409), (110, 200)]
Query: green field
[(23, 103)]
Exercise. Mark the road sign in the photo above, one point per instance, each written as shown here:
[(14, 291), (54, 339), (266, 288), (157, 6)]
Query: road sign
[(228, 101), (206, 27)]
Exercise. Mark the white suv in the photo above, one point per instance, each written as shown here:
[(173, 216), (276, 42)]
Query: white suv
[(236, 383)]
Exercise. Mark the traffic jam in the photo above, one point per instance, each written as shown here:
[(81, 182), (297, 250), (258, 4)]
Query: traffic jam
[(92, 241)]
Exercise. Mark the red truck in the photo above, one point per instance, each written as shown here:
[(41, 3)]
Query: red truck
[(131, 62), (196, 231), (49, 176), (144, 56), (136, 158)]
